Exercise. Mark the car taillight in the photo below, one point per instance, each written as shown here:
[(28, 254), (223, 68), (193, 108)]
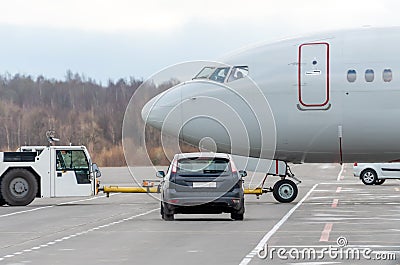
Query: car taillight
[(355, 164), (174, 166)]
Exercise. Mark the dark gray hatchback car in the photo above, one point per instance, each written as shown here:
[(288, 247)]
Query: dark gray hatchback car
[(203, 183)]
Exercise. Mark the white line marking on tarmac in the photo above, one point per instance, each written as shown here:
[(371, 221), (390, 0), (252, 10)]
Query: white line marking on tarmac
[(193, 251), (51, 206), (324, 246), (340, 173), (267, 236), (27, 211), (373, 246), (77, 234), (396, 189), (325, 233), (335, 183)]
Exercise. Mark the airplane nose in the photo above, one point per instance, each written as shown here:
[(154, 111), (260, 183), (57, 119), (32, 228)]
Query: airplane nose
[(213, 114), (158, 109), (149, 115)]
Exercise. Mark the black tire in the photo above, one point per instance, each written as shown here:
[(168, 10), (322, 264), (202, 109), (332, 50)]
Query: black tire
[(168, 217), (18, 187), (379, 181), (285, 191), (166, 214), (239, 214), (162, 210), (2, 201), (369, 177)]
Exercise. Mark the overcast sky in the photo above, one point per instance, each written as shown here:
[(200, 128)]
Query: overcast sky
[(119, 38)]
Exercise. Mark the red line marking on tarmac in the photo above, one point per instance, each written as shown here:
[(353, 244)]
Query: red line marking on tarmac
[(339, 189), (325, 233), (335, 203)]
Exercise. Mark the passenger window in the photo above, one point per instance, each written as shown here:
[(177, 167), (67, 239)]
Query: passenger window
[(351, 76), (369, 75), (387, 75)]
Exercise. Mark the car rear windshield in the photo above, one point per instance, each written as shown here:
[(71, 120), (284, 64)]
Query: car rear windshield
[(203, 165)]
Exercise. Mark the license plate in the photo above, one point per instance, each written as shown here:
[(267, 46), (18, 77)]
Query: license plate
[(204, 184)]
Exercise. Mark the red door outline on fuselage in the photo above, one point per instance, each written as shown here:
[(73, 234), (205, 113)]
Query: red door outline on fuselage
[(327, 75)]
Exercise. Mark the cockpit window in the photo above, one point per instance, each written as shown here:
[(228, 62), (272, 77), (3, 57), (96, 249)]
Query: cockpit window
[(220, 74), (223, 74), (205, 73), (238, 72)]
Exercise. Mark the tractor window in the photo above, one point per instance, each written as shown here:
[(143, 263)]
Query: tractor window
[(71, 160)]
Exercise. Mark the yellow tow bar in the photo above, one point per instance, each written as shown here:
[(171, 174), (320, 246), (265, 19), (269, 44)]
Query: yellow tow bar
[(156, 189), (116, 189), (256, 191)]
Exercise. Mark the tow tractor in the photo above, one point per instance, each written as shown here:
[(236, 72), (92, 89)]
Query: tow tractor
[(46, 172), (284, 190)]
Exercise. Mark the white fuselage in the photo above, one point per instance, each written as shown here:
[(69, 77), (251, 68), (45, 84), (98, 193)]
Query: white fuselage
[(332, 97)]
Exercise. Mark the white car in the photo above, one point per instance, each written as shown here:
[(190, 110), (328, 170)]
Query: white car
[(376, 173)]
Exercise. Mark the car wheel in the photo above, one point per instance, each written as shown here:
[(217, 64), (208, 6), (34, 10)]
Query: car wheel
[(162, 210), (239, 214), (2, 201), (168, 217), (380, 181), (285, 191), (167, 214), (369, 177)]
